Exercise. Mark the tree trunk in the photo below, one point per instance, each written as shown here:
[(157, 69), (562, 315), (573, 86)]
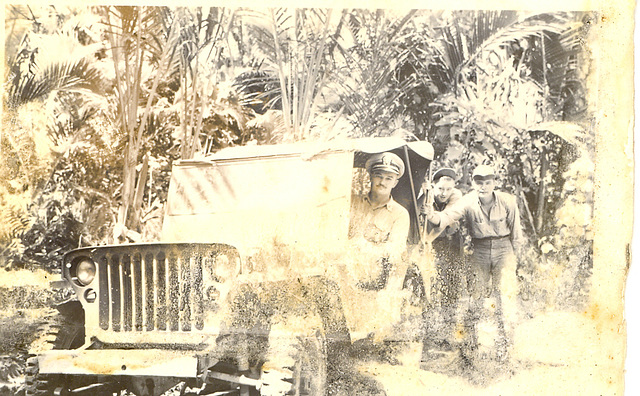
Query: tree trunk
[(544, 164), (139, 194)]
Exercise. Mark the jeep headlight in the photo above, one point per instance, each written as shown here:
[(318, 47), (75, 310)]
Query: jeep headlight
[(85, 272)]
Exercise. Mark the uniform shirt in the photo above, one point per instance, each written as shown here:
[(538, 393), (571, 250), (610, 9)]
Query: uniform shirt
[(385, 227), (502, 220)]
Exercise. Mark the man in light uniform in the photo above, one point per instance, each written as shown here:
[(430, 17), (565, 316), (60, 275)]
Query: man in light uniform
[(379, 226), (493, 221)]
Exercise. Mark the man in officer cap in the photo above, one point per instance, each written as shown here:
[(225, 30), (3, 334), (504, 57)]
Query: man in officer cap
[(379, 225), (493, 221)]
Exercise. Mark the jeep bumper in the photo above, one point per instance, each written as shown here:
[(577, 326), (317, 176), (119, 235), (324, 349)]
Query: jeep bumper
[(152, 362)]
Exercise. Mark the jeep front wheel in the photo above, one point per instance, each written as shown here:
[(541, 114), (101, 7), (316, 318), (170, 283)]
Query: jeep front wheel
[(35, 384), (295, 365)]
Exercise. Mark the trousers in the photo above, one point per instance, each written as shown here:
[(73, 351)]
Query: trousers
[(492, 273), (490, 260), (450, 270)]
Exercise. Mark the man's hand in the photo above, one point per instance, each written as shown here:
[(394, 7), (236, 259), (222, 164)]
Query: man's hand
[(427, 210), (427, 206)]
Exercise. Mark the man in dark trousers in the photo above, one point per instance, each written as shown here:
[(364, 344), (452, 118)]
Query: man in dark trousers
[(493, 222), (446, 247), (446, 241)]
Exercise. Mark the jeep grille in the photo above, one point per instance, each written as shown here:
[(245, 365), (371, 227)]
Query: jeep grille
[(155, 286)]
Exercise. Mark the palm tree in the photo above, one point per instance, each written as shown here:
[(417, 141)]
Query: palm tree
[(292, 48), (142, 42), (211, 113), (316, 69), (500, 79), (370, 53), (458, 52)]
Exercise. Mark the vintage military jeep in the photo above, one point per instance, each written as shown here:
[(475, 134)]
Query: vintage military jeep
[(242, 295)]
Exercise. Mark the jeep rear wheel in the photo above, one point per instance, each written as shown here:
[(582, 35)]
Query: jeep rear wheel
[(296, 365)]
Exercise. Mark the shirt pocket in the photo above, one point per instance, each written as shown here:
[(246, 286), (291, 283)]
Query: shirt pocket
[(378, 231), (500, 223), (478, 217)]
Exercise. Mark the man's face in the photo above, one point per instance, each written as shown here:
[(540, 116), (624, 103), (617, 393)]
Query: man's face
[(485, 187), (443, 189), (383, 182)]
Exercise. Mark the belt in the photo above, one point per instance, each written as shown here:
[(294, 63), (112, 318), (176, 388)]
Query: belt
[(491, 238), (447, 238)]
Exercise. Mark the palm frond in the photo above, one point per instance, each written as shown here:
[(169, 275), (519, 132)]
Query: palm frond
[(68, 76), (491, 31), (295, 47), (15, 221), (567, 131), (372, 51)]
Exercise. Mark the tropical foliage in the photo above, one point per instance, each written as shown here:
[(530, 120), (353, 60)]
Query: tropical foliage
[(40, 143), (92, 134)]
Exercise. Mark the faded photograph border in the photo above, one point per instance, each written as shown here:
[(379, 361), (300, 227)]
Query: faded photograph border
[(604, 318)]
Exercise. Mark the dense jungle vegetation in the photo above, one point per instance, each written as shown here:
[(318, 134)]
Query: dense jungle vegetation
[(98, 102)]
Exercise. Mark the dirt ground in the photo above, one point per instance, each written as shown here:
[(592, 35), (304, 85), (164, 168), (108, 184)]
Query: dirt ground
[(570, 363)]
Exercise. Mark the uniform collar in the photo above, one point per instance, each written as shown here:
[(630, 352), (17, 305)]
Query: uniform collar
[(493, 203), (440, 205), (495, 196), (385, 205)]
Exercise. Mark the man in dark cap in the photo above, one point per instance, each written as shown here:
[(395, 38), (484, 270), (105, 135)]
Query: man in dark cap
[(446, 243), (378, 223), (493, 221)]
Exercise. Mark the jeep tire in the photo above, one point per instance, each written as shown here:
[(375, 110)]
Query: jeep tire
[(295, 364)]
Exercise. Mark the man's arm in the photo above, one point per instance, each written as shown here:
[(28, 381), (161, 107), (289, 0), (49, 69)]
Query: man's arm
[(449, 215), (513, 220)]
